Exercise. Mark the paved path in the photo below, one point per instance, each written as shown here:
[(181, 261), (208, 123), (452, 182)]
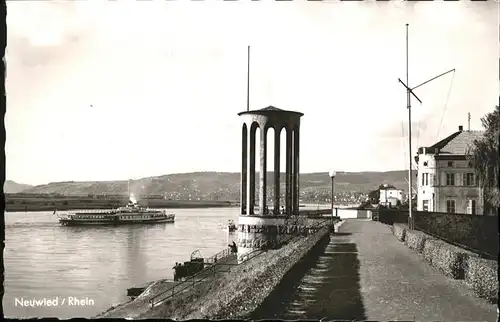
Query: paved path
[(396, 284)]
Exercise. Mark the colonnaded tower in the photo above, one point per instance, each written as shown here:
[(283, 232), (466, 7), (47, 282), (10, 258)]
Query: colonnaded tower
[(260, 229)]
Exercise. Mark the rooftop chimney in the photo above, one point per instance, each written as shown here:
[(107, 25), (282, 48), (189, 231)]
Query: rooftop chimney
[(460, 128)]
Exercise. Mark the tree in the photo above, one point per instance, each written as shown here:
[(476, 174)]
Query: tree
[(374, 196), (485, 158)]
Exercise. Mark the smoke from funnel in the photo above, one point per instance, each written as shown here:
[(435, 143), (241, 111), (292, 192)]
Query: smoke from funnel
[(132, 198)]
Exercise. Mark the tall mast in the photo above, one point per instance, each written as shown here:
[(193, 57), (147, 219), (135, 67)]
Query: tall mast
[(248, 79), (408, 103), (409, 90)]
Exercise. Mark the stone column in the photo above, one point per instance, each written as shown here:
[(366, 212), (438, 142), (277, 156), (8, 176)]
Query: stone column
[(292, 175), (244, 173), (263, 171), (277, 160), (296, 172), (251, 174), (289, 188)]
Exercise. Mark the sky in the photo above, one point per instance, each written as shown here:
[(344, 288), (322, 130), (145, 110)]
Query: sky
[(112, 90)]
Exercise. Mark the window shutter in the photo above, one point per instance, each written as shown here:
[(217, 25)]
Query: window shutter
[(431, 180), (444, 181), (469, 208)]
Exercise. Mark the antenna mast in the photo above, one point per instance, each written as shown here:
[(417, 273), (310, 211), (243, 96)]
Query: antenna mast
[(409, 90), (408, 104), (248, 79), (468, 121)]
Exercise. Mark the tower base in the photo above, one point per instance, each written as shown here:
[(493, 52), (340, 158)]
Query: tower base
[(258, 233)]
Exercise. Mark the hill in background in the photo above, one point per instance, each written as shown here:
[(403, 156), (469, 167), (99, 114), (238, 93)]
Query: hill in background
[(10, 186), (213, 185)]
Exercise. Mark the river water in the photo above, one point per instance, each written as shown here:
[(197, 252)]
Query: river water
[(96, 265)]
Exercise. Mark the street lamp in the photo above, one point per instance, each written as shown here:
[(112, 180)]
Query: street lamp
[(332, 174)]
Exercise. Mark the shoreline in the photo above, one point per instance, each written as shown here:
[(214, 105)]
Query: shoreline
[(68, 204), (29, 203)]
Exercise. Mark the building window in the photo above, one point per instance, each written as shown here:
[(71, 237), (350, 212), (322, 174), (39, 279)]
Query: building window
[(450, 179), (471, 207), (425, 205), (450, 164), (469, 179), (425, 179), (431, 179), (450, 206)]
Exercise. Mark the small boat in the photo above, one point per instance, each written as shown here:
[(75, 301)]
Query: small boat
[(132, 213), (230, 227)]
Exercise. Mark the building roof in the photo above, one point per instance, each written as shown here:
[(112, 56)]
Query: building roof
[(457, 143)]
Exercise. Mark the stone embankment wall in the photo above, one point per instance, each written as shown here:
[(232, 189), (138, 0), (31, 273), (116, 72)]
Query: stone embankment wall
[(250, 283), (480, 275)]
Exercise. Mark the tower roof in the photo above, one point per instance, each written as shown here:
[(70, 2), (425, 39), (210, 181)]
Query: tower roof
[(270, 110)]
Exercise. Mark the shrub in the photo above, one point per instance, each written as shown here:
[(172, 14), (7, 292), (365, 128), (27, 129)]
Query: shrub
[(449, 259), (475, 232), (415, 240), (482, 276), (431, 249), (399, 231)]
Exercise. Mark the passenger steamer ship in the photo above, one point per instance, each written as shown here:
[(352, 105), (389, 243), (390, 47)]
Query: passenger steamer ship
[(132, 213)]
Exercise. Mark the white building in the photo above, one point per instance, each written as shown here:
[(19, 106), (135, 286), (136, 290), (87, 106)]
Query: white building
[(390, 195), (446, 179)]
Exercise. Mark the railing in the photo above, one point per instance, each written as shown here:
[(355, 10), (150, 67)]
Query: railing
[(91, 211), (220, 255), (193, 279), (317, 212)]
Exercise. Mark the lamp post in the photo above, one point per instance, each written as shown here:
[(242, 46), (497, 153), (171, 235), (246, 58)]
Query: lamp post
[(332, 175)]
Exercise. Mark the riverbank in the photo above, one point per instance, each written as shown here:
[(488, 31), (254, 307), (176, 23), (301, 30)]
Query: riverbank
[(62, 203), (232, 294)]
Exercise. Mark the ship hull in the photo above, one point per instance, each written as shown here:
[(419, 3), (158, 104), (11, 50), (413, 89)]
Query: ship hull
[(96, 222)]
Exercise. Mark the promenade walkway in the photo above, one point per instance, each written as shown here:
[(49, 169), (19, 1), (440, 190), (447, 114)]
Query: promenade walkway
[(392, 281)]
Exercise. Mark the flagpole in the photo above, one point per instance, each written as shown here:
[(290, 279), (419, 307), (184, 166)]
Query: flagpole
[(248, 79)]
